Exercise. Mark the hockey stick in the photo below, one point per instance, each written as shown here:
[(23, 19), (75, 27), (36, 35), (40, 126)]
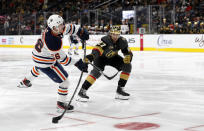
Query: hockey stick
[(97, 68), (56, 119)]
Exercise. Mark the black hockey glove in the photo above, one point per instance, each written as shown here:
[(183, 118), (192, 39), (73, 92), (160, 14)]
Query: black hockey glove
[(81, 66), (83, 34), (89, 58)]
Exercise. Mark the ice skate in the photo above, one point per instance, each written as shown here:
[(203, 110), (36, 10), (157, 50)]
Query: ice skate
[(69, 53), (82, 97), (76, 53), (61, 107), (121, 94), (24, 84)]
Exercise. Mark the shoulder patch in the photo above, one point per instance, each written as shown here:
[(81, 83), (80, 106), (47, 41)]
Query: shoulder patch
[(123, 38)]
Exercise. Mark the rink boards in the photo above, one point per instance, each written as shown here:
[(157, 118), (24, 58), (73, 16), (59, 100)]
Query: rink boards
[(162, 42)]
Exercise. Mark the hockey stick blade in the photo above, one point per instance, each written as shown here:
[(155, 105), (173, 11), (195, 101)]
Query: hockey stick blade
[(56, 119), (108, 77)]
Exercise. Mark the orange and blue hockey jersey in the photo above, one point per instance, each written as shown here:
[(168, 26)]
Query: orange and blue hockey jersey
[(48, 48)]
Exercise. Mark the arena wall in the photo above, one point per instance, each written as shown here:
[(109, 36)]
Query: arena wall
[(163, 42)]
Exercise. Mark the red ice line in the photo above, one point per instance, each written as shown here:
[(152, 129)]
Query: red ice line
[(88, 122), (53, 128), (190, 128), (187, 129), (117, 117)]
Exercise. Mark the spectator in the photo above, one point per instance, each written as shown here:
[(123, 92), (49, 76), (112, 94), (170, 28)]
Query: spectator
[(124, 27), (185, 11)]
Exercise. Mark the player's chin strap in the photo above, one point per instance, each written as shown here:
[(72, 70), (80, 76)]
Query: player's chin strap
[(108, 77), (56, 119)]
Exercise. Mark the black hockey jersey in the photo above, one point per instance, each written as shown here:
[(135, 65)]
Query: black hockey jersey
[(108, 49)]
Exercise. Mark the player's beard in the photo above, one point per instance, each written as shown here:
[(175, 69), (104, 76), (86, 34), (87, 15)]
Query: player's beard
[(114, 38)]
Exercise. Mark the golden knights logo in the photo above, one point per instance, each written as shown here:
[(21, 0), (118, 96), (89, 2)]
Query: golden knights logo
[(110, 47), (110, 54)]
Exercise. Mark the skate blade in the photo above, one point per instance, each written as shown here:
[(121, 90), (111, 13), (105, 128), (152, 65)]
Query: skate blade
[(82, 99), (120, 97), (22, 86), (59, 110)]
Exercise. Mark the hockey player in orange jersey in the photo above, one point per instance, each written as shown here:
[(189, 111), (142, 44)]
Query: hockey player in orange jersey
[(49, 57)]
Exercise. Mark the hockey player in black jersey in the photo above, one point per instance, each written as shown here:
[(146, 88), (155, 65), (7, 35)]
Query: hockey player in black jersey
[(49, 57), (106, 53)]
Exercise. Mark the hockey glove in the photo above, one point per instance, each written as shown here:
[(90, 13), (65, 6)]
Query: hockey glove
[(83, 34), (127, 59), (88, 58), (82, 66)]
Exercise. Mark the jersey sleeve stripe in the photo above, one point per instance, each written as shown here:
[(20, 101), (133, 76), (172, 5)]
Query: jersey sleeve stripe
[(70, 30), (73, 29), (70, 59), (99, 49), (65, 61), (42, 60), (42, 57)]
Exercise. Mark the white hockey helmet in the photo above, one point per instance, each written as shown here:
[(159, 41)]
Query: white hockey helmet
[(54, 21)]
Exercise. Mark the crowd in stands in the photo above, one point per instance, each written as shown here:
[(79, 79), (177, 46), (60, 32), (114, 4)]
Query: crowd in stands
[(28, 17), (189, 18)]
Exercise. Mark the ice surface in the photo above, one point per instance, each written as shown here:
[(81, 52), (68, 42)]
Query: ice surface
[(167, 90)]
